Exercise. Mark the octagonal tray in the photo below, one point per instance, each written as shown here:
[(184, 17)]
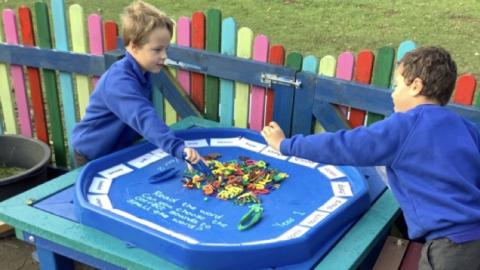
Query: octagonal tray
[(194, 231)]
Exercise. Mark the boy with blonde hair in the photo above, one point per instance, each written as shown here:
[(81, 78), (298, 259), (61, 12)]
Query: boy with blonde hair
[(432, 156), (120, 110)]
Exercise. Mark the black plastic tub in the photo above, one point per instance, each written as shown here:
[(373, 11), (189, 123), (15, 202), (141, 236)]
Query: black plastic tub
[(26, 153)]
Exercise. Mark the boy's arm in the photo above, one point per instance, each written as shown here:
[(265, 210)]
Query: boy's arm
[(124, 98), (377, 144)]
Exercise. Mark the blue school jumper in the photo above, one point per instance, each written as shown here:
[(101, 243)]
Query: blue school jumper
[(432, 156), (120, 111)]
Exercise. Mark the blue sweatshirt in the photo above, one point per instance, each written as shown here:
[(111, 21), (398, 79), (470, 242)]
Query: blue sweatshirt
[(432, 156), (119, 112)]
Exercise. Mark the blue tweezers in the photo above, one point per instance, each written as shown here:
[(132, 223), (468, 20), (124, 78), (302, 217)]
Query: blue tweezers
[(200, 166)]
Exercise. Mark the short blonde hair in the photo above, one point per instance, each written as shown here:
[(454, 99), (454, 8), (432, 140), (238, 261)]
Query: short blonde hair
[(139, 19)]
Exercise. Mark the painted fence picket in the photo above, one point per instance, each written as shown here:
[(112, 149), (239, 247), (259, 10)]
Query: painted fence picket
[(183, 39), (1, 122), (95, 38), (242, 91), (382, 73), (79, 45), (477, 99), (170, 115), (66, 82), (158, 99), (405, 47), (158, 102), (33, 75), (110, 35), (229, 102), (310, 64), (327, 68), (363, 75), (6, 101), (16, 71), (303, 120), (50, 83), (227, 90), (276, 57), (284, 97), (198, 42), (257, 93), (344, 71), (214, 21), (464, 89), (329, 116)]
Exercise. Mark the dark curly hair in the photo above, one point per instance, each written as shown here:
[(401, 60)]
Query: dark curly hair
[(435, 67)]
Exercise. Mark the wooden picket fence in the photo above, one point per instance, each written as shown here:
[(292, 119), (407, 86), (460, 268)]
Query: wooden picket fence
[(53, 96)]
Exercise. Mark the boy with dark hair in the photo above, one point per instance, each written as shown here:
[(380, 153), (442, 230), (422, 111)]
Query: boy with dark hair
[(120, 108), (431, 154)]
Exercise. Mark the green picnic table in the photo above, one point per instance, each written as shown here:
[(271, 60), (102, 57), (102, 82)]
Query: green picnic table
[(60, 239)]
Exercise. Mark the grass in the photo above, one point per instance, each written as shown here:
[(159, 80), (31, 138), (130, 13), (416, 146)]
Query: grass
[(331, 27)]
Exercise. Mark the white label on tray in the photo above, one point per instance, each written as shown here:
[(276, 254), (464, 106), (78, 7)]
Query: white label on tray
[(160, 153), (331, 172), (100, 185), (155, 226), (332, 204), (144, 160), (224, 141), (342, 189), (294, 232), (116, 171), (269, 151), (251, 145), (196, 143), (314, 218), (100, 200), (304, 162)]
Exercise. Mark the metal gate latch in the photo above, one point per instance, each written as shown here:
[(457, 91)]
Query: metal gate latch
[(270, 79)]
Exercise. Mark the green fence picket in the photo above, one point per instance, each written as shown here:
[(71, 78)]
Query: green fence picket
[(49, 79), (214, 21), (382, 73)]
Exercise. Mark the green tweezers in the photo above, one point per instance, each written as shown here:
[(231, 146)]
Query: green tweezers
[(251, 218)]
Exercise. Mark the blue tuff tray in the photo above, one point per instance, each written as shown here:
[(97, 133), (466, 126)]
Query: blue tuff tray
[(184, 226)]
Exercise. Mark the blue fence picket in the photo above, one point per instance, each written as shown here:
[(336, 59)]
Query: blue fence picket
[(404, 47), (228, 47), (66, 83), (302, 122)]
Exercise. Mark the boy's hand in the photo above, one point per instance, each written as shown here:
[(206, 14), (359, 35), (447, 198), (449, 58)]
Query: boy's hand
[(274, 135), (192, 155)]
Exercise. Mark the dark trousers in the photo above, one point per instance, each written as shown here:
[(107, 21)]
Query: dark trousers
[(443, 254)]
